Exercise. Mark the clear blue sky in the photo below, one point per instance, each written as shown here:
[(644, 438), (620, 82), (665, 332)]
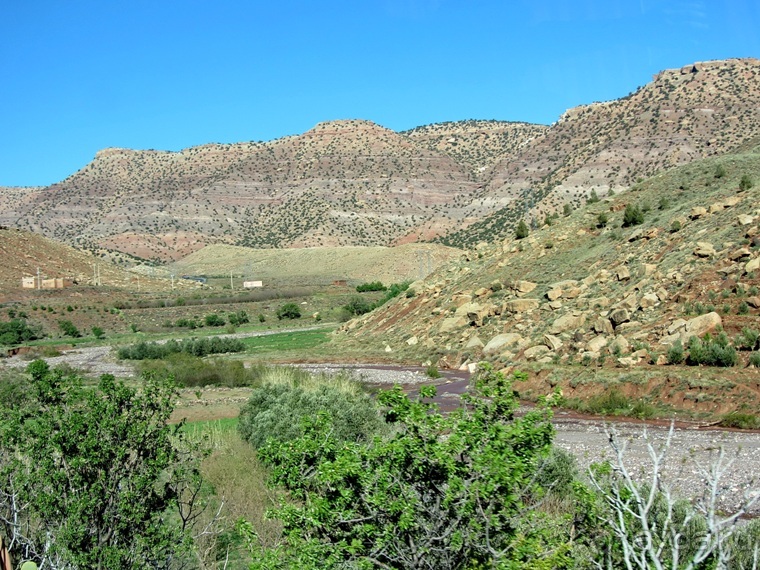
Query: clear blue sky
[(80, 75)]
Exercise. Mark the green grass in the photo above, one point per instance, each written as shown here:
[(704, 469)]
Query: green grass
[(278, 342)]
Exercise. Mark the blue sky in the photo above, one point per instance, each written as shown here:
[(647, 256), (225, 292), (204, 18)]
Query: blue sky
[(80, 75)]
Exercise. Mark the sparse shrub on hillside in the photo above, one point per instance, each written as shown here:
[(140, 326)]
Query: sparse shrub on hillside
[(602, 219), (68, 328), (214, 320), (740, 420), (633, 216), (98, 333), (676, 353), (567, 209), (743, 308), (289, 311), (712, 352), (357, 306), (754, 359), (745, 183), (720, 171), (522, 231), (593, 197), (238, 318)]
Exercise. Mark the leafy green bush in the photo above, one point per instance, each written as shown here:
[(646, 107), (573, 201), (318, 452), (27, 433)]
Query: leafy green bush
[(633, 216), (745, 183), (68, 328), (740, 420), (195, 346), (188, 323), (358, 306), (238, 318), (712, 352), (676, 353), (452, 485), (214, 320), (17, 331), (98, 332), (754, 359), (602, 219), (522, 231), (277, 411), (373, 286), (289, 311)]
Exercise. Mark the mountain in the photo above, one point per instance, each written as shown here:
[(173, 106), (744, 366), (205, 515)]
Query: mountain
[(591, 300), (356, 183)]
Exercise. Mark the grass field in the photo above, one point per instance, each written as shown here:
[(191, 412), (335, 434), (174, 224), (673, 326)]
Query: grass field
[(287, 341)]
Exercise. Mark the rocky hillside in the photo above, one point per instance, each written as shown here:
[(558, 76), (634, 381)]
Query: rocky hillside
[(357, 183), (588, 294)]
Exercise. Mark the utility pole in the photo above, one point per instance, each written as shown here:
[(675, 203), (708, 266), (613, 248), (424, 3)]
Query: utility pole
[(232, 287), (39, 279), (172, 281)]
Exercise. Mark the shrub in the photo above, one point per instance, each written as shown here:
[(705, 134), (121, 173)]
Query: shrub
[(602, 219), (593, 197), (17, 331), (675, 226), (754, 359), (195, 346), (357, 306), (239, 318), (711, 352), (98, 332), (740, 420), (745, 183), (262, 318), (720, 171), (432, 371), (373, 286), (214, 320), (743, 308), (676, 353), (522, 231), (277, 411), (633, 216), (289, 311), (68, 328)]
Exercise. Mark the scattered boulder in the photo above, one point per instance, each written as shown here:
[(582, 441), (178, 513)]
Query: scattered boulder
[(603, 326), (619, 316), (554, 294), (524, 286), (704, 249), (535, 351), (752, 265), (567, 322), (553, 342), (623, 273), (452, 324), (521, 305), (597, 343), (620, 345), (745, 219), (412, 341), (754, 302), (501, 341), (697, 212), (474, 342), (700, 325), (649, 300)]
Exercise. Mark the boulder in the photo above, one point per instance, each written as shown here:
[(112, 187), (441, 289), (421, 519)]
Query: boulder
[(451, 324), (597, 343), (620, 344), (553, 342), (649, 300), (745, 219), (619, 316), (524, 286), (676, 326), (474, 342), (704, 249), (521, 305), (412, 341), (603, 326), (567, 322), (700, 325), (754, 302), (500, 342), (554, 294), (752, 265), (697, 212), (535, 351), (572, 292), (623, 273)]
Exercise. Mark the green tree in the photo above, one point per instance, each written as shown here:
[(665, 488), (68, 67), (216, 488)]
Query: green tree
[(98, 332), (441, 492), (94, 474), (289, 311)]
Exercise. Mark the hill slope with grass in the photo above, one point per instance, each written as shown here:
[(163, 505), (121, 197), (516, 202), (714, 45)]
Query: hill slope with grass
[(318, 266), (592, 296)]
